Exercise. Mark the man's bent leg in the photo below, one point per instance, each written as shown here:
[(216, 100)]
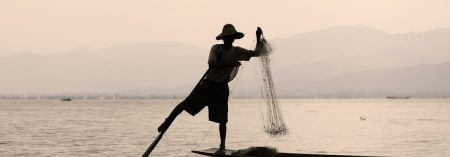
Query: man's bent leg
[(223, 134), (175, 112)]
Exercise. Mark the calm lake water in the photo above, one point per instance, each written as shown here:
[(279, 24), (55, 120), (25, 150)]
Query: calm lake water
[(412, 127)]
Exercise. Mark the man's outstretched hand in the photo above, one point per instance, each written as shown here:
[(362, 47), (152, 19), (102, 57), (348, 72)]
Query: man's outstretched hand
[(257, 51), (259, 32)]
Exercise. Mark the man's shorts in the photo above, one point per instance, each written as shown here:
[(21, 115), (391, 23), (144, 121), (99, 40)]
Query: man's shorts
[(212, 94)]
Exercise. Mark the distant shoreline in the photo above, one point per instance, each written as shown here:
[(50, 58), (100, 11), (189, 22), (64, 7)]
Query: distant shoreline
[(137, 97)]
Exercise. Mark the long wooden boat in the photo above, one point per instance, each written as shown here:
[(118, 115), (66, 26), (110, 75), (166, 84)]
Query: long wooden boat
[(229, 153), (397, 97)]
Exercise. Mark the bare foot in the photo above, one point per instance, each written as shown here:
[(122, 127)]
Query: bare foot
[(163, 126), (220, 151)]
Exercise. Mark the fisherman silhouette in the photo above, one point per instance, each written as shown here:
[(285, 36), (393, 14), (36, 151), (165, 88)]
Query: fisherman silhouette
[(212, 90)]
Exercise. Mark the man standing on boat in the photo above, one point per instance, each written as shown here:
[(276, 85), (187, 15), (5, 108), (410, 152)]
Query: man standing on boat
[(212, 90)]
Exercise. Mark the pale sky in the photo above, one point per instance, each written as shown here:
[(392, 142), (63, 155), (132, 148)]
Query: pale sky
[(55, 26)]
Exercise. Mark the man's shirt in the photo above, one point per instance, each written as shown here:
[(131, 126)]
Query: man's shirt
[(220, 55)]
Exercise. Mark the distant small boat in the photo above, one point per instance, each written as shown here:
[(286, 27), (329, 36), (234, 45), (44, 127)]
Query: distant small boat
[(397, 97), (363, 118), (66, 99)]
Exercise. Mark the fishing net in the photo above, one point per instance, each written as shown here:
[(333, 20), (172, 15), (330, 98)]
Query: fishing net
[(271, 115)]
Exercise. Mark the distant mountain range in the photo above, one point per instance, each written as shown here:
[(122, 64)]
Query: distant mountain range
[(342, 61), (156, 67), (414, 81), (360, 60)]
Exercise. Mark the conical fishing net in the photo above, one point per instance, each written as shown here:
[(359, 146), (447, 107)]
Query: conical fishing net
[(273, 119)]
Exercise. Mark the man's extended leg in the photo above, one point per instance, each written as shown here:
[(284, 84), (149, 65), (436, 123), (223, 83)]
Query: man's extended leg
[(223, 134), (175, 112)]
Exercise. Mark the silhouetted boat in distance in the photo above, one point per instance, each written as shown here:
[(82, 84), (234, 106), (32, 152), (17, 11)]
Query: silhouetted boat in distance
[(397, 97), (66, 99)]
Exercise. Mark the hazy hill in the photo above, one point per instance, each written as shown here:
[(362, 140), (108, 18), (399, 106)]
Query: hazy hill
[(309, 63), (416, 81), (155, 66), (343, 60), (356, 48)]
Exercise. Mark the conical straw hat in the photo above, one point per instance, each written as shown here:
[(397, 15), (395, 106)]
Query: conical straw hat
[(229, 30)]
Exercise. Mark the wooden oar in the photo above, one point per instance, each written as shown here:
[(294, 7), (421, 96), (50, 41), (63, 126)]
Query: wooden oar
[(158, 138), (154, 143)]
